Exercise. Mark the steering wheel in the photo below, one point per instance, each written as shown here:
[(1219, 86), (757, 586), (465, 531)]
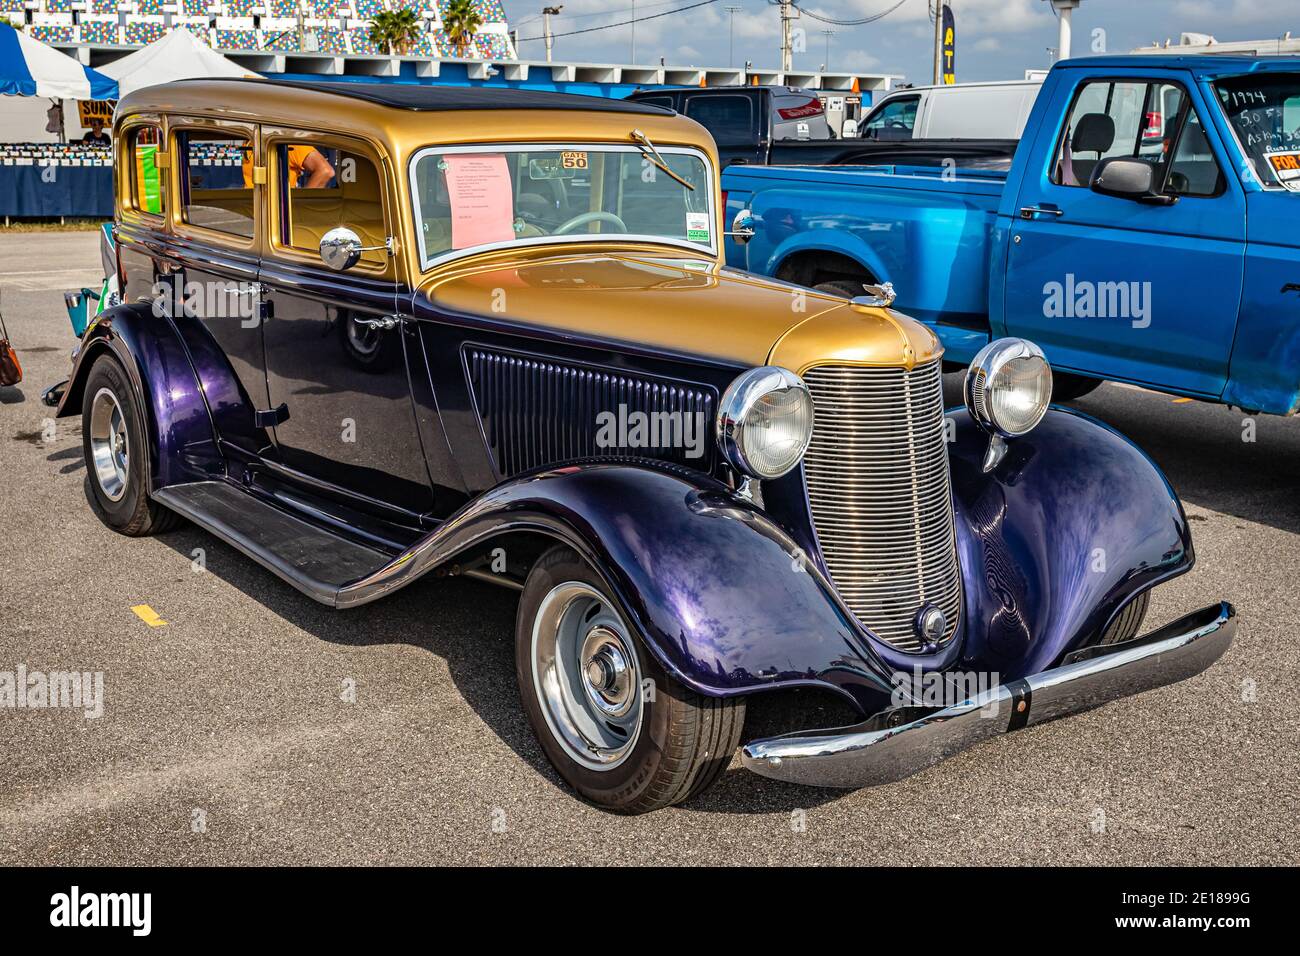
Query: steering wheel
[(583, 218)]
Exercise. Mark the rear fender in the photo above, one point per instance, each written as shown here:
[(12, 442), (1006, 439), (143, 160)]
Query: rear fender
[(182, 442)]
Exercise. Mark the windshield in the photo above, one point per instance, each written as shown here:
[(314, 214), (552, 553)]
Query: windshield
[(1264, 111), (482, 197)]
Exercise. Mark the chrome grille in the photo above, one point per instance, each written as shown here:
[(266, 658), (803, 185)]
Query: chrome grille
[(880, 493)]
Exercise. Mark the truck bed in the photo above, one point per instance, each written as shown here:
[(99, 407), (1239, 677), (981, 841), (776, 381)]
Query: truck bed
[(929, 230)]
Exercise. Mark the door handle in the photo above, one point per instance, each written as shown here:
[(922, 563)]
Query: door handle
[(1033, 212), (385, 322)]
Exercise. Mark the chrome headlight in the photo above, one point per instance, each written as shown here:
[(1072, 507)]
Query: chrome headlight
[(765, 421), (1008, 387)]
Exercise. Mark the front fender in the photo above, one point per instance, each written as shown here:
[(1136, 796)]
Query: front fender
[(182, 442), (721, 596), (1073, 522)]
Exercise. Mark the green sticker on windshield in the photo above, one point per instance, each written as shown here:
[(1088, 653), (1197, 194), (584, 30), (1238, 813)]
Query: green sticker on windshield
[(697, 227)]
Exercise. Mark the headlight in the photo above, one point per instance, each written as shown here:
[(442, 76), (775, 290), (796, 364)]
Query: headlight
[(765, 421), (1009, 387)]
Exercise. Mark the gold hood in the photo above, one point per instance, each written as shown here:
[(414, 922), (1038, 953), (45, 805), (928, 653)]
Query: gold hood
[(677, 304)]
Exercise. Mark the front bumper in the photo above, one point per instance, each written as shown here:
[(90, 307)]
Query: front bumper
[(899, 742)]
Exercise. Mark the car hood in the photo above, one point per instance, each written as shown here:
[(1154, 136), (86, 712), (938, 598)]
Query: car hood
[(676, 304)]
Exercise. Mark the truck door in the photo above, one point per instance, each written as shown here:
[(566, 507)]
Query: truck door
[(1118, 288)]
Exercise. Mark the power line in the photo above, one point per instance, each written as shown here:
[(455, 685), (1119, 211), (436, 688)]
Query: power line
[(623, 23), (861, 21), (598, 13)]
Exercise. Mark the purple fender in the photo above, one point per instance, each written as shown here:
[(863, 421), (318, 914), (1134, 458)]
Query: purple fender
[(182, 441), (720, 594), (1073, 522)]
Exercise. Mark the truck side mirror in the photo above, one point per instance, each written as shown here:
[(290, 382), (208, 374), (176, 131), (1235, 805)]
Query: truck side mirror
[(1127, 178)]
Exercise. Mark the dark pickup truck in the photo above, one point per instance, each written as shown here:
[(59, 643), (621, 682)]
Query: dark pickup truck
[(786, 126)]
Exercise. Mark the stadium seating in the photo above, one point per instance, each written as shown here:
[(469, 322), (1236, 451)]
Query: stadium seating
[(330, 27)]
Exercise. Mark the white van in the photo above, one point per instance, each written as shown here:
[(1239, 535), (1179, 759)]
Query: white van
[(961, 111)]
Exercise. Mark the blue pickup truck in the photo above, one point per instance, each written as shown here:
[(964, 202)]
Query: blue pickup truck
[(1147, 230)]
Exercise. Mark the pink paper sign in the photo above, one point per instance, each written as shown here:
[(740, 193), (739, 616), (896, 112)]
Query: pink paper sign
[(481, 199)]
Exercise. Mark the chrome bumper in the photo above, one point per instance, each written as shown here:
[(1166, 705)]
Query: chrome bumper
[(899, 742)]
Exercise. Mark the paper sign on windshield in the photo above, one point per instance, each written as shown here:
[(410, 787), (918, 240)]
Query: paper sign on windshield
[(478, 187)]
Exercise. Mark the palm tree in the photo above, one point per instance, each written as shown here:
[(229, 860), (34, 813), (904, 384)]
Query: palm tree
[(395, 30), (460, 21)]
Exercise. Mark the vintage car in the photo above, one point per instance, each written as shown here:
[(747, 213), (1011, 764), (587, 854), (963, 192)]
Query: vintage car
[(369, 332)]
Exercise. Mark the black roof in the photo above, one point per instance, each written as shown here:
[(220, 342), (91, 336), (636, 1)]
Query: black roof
[(423, 98)]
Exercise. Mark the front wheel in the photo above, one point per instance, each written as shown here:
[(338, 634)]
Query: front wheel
[(618, 729)]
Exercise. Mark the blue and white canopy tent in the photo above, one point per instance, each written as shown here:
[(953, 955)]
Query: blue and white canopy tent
[(30, 68)]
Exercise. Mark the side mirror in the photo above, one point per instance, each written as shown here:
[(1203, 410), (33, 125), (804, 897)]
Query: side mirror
[(340, 248), (1127, 178), (742, 227)]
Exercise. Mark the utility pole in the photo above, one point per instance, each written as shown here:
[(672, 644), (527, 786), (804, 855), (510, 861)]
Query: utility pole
[(827, 65), (731, 33), (938, 40), (1064, 11), (788, 15), (547, 13), (633, 60)]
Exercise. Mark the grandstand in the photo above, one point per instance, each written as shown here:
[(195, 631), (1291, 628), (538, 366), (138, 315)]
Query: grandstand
[(338, 28)]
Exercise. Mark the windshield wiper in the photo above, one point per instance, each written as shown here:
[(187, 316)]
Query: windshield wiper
[(648, 148)]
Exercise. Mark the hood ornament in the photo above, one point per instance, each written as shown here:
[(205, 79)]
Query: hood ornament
[(878, 296)]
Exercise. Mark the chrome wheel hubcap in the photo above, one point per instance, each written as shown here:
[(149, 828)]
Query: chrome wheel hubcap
[(586, 676), (109, 445)]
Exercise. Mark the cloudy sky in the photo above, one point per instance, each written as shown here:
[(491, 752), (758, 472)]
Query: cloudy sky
[(996, 39)]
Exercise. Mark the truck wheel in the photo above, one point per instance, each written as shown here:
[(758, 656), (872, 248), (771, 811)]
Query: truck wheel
[(117, 454), (848, 288), (618, 729), (1067, 387)]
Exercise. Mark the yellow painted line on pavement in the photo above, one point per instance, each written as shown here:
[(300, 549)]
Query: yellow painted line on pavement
[(1183, 401), (147, 614)]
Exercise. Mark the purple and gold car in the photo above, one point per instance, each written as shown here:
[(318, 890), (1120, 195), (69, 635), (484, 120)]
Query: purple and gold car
[(370, 332)]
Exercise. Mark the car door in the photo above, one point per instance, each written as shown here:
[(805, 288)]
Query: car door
[(336, 368), (1113, 287), (212, 269)]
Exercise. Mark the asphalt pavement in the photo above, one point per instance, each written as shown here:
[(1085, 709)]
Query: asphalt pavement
[(244, 723)]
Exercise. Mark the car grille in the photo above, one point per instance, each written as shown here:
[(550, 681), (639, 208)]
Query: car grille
[(880, 493)]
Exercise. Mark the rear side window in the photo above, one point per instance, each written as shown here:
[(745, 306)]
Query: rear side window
[(892, 122), (1154, 122), (217, 181), (146, 181), (322, 187), (729, 118), (665, 101)]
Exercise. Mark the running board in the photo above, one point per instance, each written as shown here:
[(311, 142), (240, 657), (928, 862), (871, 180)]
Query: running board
[(314, 560)]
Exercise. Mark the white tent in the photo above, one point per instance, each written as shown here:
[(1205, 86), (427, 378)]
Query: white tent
[(177, 56)]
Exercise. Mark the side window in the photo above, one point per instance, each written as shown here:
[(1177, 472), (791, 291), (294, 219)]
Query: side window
[(1154, 122), (893, 121), (323, 187), (216, 181), (146, 183), (729, 118), (665, 101)]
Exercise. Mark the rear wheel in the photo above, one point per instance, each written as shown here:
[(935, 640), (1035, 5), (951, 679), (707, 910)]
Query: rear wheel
[(618, 729), (117, 454)]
